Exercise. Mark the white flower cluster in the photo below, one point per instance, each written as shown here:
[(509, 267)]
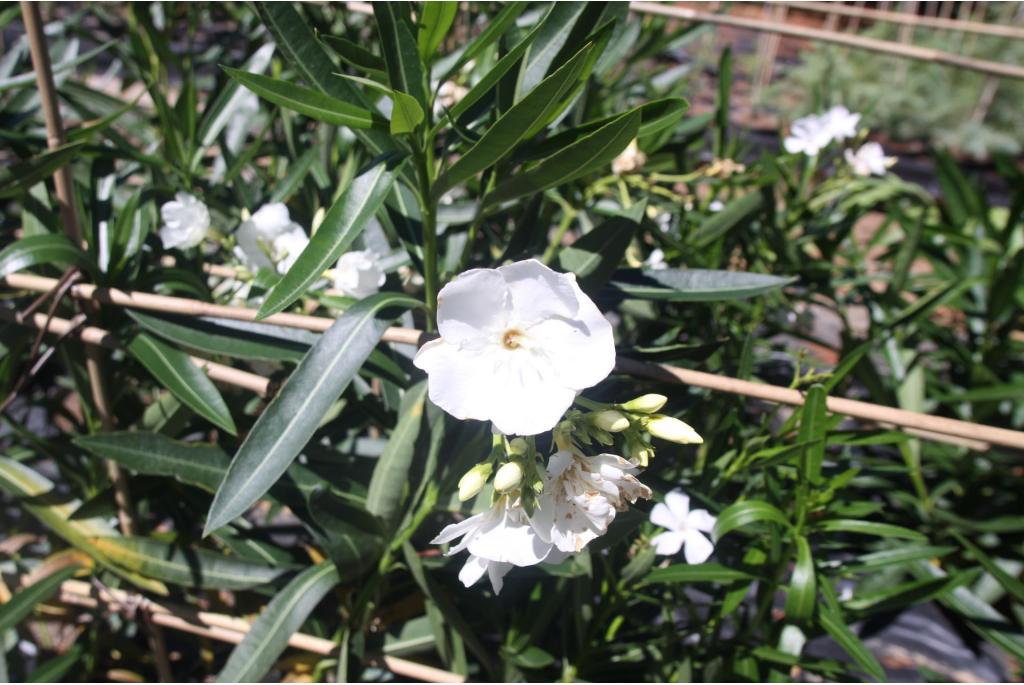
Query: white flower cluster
[(811, 134), (517, 345), (267, 239)]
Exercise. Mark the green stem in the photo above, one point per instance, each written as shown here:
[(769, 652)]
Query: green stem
[(428, 211), (567, 220)]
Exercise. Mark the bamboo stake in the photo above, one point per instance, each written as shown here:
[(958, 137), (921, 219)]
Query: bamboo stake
[(862, 42), (226, 628), (98, 337), (967, 26), (964, 430)]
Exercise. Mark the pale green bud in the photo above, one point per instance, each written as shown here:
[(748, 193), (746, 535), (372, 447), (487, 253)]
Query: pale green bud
[(508, 477), (473, 481), (673, 430), (645, 404), (610, 420), (518, 446)]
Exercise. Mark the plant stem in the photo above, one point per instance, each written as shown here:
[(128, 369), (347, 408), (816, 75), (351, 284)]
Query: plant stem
[(428, 218), (567, 220)]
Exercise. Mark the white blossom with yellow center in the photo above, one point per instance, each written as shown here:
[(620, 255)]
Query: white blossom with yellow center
[(517, 343), (185, 222)]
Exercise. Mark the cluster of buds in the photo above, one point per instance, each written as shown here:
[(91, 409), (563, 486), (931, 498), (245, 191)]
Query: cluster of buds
[(515, 468), (636, 421)]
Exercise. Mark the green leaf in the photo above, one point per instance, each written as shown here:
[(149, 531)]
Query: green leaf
[(307, 101), (54, 670), (801, 593), (723, 92), (694, 285), (355, 55), (352, 537), (35, 250), (190, 568), (895, 557), (390, 479), (228, 337), (155, 454), (812, 432), (1008, 582), (591, 152), (19, 177), (892, 598), (742, 514), (698, 573), (594, 256), (398, 47), (14, 610), (175, 371), (436, 19), (341, 226), (833, 624), (406, 113), (885, 530), (737, 213), (493, 30), (269, 635), (500, 140), (555, 28), (294, 415)]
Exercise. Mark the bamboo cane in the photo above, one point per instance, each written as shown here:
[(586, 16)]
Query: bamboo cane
[(966, 26), (226, 628), (963, 430), (862, 42)]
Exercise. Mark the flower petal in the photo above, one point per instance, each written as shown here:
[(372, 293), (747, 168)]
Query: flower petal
[(662, 516), (667, 543), (698, 548), (679, 503), (538, 293), (473, 570), (472, 309), (458, 381), (454, 530), (701, 520), (496, 572)]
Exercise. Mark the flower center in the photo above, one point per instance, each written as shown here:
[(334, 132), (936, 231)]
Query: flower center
[(512, 339)]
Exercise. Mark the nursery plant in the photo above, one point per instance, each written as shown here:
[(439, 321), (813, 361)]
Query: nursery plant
[(442, 341)]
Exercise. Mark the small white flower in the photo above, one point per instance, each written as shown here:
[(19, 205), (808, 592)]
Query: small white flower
[(629, 160), (656, 260), (685, 528), (517, 343), (841, 123), (869, 160), (186, 221), (269, 239), (808, 135), (716, 206), (497, 540), (358, 274), (581, 497)]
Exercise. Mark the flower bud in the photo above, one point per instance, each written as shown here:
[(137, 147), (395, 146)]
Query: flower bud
[(673, 430), (508, 477), (645, 404), (473, 481), (610, 420), (518, 446), (640, 454)]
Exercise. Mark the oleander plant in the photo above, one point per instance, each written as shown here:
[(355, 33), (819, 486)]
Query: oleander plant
[(445, 341)]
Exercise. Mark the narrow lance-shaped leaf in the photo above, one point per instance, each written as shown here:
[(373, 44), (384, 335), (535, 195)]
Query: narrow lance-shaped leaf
[(736, 213), (594, 256), (694, 285), (434, 24), (742, 514), (24, 601), (341, 226), (390, 476), (154, 454), (36, 250), (14, 179), (241, 339), (284, 616), (812, 432), (802, 590), (398, 46), (501, 138), (591, 152), (494, 29), (406, 113), (294, 415), (555, 28), (176, 372), (307, 101)]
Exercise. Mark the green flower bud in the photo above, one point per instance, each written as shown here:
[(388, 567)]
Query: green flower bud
[(518, 446), (473, 481), (508, 477), (672, 429), (645, 404), (610, 420)]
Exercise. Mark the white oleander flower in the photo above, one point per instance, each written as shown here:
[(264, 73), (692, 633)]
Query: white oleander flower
[(869, 159), (496, 540), (358, 274), (581, 497), (656, 260), (808, 135), (629, 160), (517, 343), (270, 239), (686, 529), (185, 222), (840, 123)]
